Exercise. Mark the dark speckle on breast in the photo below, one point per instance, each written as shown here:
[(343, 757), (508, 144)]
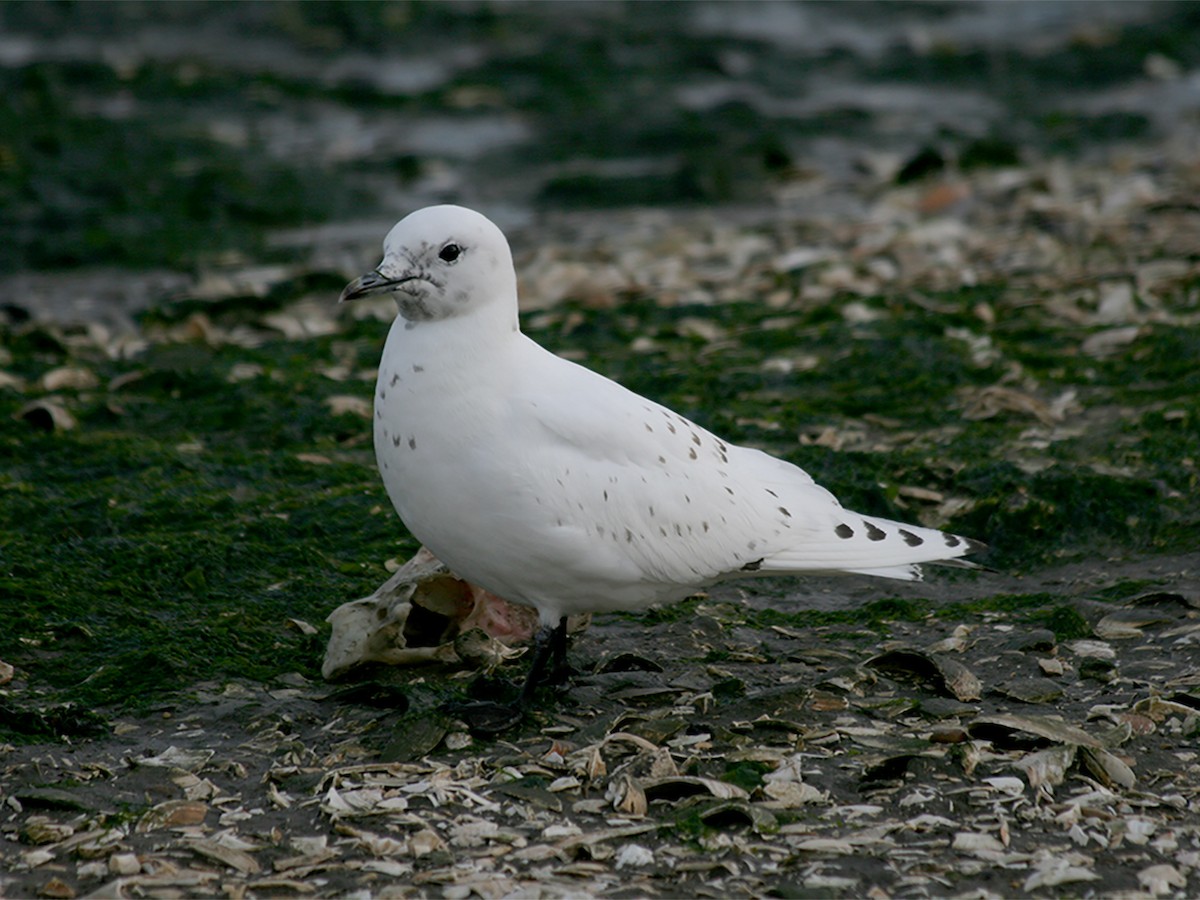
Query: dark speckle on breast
[(417, 368), (412, 443)]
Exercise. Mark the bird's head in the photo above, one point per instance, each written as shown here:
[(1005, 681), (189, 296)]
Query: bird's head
[(439, 262)]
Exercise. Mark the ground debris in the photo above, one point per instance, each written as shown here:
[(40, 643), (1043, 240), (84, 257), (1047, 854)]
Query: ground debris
[(743, 772)]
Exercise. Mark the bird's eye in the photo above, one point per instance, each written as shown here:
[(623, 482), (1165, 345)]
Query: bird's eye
[(450, 253)]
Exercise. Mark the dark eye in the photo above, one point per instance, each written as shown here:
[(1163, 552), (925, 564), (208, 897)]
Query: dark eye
[(450, 253)]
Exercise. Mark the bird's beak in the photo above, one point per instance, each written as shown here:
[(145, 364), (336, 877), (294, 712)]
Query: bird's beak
[(371, 283)]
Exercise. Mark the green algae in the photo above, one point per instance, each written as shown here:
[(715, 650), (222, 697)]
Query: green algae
[(174, 534), (147, 190)]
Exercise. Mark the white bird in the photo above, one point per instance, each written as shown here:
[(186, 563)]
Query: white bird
[(552, 486)]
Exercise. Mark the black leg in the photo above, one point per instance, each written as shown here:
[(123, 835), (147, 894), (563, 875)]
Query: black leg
[(488, 718), (562, 670), (549, 646)]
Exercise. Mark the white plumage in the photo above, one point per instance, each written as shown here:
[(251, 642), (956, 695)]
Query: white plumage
[(555, 487)]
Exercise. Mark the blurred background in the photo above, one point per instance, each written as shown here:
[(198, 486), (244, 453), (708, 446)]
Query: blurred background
[(944, 256), (167, 137)]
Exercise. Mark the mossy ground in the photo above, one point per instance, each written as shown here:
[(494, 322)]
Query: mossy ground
[(174, 533)]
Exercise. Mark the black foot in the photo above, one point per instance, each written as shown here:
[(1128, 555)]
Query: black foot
[(486, 718), (560, 674)]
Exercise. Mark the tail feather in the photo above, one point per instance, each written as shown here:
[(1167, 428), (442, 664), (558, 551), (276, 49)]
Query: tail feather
[(871, 546)]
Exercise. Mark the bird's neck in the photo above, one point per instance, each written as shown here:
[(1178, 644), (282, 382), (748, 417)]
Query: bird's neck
[(483, 335)]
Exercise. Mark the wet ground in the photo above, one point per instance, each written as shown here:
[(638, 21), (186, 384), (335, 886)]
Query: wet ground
[(930, 745), (943, 256)]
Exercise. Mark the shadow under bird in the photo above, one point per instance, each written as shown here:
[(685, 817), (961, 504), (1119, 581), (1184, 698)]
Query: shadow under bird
[(554, 487)]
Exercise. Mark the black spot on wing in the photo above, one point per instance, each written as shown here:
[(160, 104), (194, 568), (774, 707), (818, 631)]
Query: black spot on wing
[(913, 540), (753, 566), (873, 533), (952, 540), (844, 531)]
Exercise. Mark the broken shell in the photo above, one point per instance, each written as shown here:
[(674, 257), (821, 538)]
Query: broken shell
[(1108, 769), (71, 378), (676, 787), (946, 675), (1028, 732), (47, 414)]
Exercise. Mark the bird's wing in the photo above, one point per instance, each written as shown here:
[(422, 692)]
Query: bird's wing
[(682, 506)]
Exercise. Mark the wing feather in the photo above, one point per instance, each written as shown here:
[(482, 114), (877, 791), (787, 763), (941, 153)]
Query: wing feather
[(685, 507)]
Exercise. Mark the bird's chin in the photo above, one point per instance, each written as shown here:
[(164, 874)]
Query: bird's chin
[(414, 307)]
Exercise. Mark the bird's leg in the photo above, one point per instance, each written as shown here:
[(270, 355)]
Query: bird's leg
[(548, 644), (488, 717), (561, 670)]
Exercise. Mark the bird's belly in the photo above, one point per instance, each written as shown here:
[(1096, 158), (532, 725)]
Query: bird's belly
[(474, 509)]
